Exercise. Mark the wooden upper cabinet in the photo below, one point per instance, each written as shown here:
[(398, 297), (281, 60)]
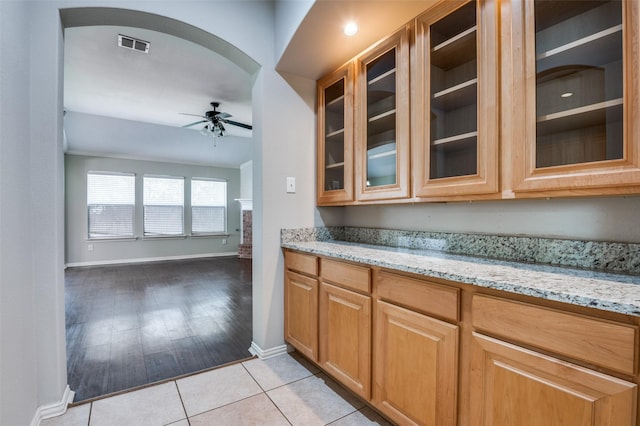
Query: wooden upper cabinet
[(572, 95), (335, 137), (455, 107), (382, 120)]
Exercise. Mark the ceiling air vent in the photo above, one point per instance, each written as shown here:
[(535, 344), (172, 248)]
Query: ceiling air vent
[(133, 43)]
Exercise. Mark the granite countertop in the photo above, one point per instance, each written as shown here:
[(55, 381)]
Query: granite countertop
[(601, 290)]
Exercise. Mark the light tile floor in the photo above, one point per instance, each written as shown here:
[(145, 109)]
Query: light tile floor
[(283, 390)]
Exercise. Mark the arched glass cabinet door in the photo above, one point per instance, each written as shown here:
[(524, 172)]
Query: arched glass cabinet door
[(382, 120), (579, 110), (335, 137)]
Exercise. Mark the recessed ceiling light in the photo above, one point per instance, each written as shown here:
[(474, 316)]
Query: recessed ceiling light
[(566, 95), (351, 28)]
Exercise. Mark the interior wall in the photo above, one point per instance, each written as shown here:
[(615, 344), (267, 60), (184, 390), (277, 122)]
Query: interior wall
[(599, 219), (18, 315), (33, 365), (105, 251), (246, 180)]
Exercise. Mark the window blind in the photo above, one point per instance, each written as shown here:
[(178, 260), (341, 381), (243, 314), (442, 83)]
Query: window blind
[(111, 199), (163, 206), (208, 206)]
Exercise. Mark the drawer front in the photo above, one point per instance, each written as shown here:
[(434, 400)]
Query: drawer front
[(305, 263), (350, 276), (591, 340), (422, 295)]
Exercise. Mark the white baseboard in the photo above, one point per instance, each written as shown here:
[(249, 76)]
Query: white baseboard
[(267, 353), (149, 259), (55, 409)]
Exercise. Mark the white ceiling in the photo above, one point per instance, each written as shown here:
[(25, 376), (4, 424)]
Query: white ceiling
[(106, 85), (103, 82)]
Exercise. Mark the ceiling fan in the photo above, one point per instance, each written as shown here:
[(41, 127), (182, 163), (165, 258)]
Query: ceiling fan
[(214, 121)]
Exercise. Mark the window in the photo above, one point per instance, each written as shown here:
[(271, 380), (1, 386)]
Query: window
[(163, 200), (111, 198), (208, 206)]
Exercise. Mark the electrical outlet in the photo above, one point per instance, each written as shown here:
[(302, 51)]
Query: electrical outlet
[(224, 241), (90, 247)]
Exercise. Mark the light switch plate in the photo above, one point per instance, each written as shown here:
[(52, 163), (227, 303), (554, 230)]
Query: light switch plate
[(291, 185)]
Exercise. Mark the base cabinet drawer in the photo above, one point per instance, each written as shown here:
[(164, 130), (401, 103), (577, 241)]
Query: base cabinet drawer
[(415, 373), (516, 386), (592, 340)]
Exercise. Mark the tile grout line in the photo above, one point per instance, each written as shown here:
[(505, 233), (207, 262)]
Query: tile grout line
[(267, 395), (175, 382)]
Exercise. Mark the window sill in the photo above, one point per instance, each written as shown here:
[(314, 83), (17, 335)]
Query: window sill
[(107, 239), (164, 237), (223, 235)]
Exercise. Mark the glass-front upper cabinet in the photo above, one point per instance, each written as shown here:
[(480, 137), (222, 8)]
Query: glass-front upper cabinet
[(581, 95), (335, 137), (382, 120), (457, 113)]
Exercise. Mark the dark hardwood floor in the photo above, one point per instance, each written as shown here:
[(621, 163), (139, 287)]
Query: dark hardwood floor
[(130, 325)]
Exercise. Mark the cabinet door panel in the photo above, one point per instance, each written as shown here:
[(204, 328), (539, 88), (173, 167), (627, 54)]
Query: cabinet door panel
[(382, 120), (415, 372), (301, 313), (515, 386), (335, 137), (574, 108), (456, 115), (345, 337)]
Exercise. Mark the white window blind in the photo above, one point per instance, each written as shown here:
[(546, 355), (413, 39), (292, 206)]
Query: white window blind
[(163, 200), (111, 198), (208, 206)]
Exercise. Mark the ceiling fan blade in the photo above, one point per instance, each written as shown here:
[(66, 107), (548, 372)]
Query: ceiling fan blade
[(196, 122), (223, 115), (194, 115), (235, 123)]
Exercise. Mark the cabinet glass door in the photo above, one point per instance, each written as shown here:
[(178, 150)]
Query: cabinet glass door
[(454, 94), (381, 120), (579, 82), (335, 137)]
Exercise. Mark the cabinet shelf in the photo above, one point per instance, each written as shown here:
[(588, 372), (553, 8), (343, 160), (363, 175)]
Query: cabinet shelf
[(582, 117), (596, 49), (334, 165), (454, 97), (334, 134), (470, 136), (452, 51), (337, 101), (381, 78)]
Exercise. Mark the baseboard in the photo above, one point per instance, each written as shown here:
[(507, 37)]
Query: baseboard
[(148, 259), (55, 409), (267, 353)]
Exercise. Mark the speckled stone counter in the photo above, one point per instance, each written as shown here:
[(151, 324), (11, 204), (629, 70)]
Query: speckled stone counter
[(602, 290)]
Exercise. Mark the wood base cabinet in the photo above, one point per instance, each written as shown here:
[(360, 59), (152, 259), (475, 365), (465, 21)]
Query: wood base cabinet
[(415, 372), (516, 386), (301, 313), (345, 337)]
